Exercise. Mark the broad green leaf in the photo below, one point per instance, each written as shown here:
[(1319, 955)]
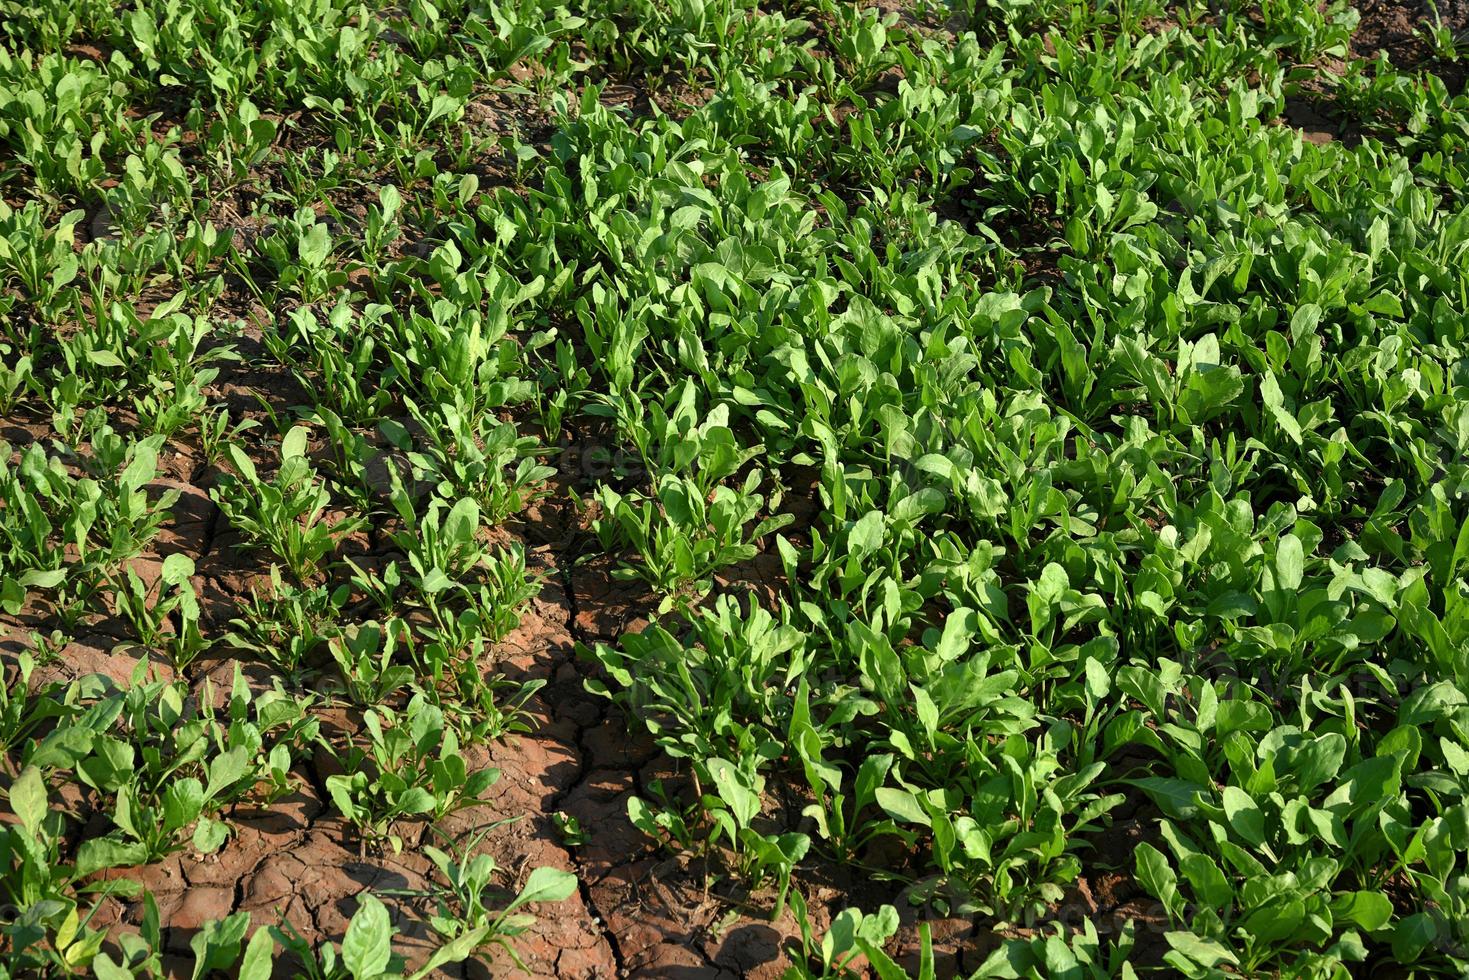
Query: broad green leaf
[(1412, 936), (367, 946), (547, 885), (1274, 401), (866, 535), (1156, 876), (1370, 910), (1290, 562), (1176, 797), (28, 799), (258, 962), (1204, 952), (1244, 815), (293, 446), (456, 951), (733, 790), (100, 853), (210, 835), (900, 805)]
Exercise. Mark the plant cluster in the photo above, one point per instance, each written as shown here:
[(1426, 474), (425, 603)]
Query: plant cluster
[(1098, 443)]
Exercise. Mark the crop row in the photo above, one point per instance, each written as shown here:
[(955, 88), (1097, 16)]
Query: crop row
[(1106, 442)]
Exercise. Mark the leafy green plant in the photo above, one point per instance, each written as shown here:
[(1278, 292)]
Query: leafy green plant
[(481, 458), (366, 949), (286, 514), (1024, 412), (23, 707), (170, 602), (681, 537), (372, 659), (1082, 953), (466, 921), (299, 250), (165, 769), (340, 356), (290, 625), (48, 930), (408, 767), (852, 934)]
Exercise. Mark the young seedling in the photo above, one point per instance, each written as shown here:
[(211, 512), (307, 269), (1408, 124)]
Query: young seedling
[(286, 515), (407, 768)]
